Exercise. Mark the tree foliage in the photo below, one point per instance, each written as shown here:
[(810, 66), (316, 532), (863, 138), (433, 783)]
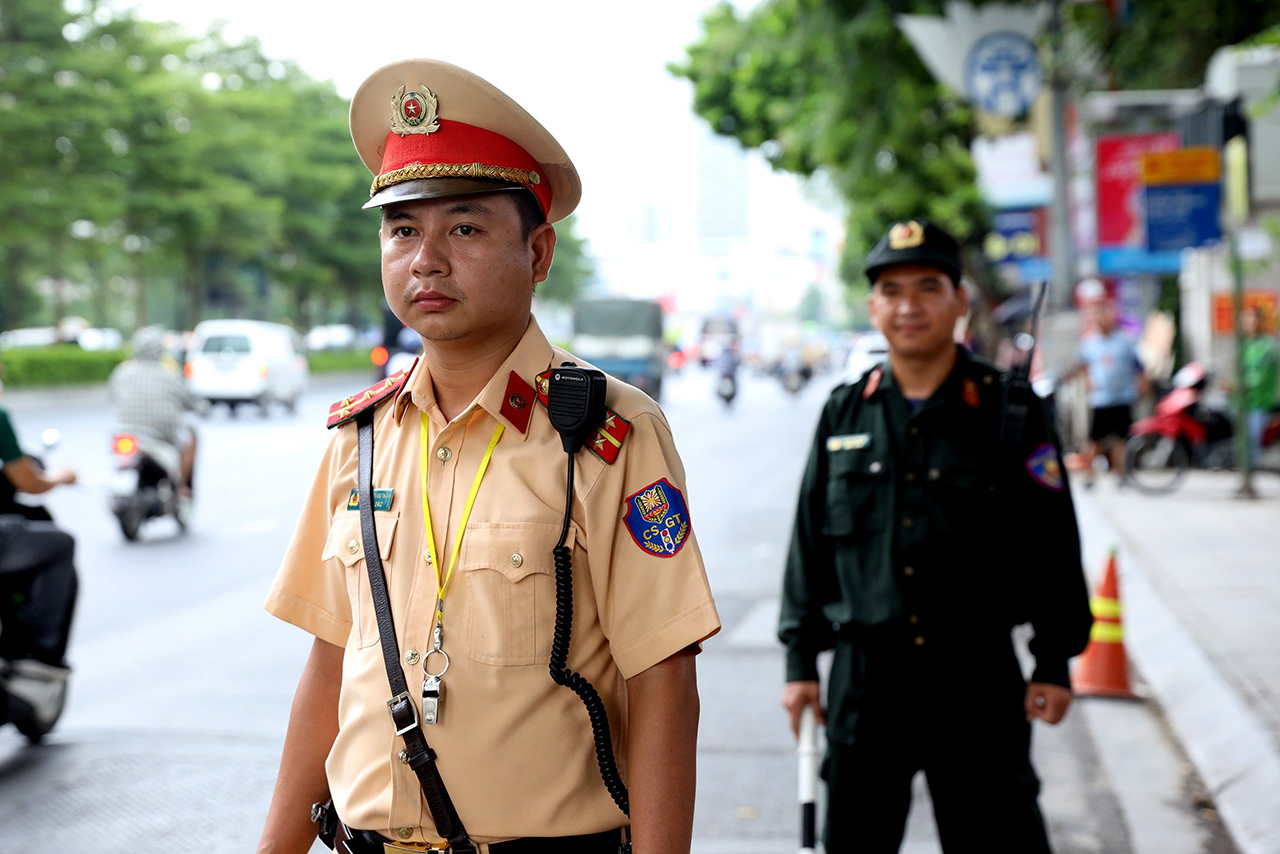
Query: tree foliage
[(572, 270), (147, 175), (833, 86)]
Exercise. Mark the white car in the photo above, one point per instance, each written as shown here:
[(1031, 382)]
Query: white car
[(246, 361), (869, 349)]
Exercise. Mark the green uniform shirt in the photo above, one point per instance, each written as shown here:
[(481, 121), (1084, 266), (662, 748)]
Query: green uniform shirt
[(1261, 373), (928, 521), (9, 448)]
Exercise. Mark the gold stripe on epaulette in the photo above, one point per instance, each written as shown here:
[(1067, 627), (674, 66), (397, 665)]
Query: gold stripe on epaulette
[(454, 170)]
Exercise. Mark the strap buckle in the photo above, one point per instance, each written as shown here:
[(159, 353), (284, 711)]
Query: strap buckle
[(391, 709)]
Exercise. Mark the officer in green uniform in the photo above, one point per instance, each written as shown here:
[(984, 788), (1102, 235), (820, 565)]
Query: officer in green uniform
[(925, 532)]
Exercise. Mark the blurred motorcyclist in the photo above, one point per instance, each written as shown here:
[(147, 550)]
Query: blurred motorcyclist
[(37, 574), (152, 397)]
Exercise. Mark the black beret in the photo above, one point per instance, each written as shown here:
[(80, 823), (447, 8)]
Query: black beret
[(915, 242)]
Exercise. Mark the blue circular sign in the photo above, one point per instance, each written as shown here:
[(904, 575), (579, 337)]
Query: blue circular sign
[(1002, 74)]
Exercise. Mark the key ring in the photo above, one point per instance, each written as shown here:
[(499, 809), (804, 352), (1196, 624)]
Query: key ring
[(427, 657), (438, 642)]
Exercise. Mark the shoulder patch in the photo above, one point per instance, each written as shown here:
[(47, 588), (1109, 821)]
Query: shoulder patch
[(873, 382), (611, 433), (1043, 467), (349, 407), (658, 519)]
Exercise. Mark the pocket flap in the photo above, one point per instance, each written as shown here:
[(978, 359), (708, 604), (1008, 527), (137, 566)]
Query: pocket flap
[(867, 462), (516, 549), (346, 542)]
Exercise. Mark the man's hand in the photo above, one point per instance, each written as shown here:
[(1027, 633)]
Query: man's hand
[(66, 477), (798, 696), (1047, 701)]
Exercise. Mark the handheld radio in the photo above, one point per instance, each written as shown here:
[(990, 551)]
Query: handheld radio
[(575, 401)]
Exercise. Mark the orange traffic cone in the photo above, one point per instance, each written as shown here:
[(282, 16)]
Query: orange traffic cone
[(1103, 670)]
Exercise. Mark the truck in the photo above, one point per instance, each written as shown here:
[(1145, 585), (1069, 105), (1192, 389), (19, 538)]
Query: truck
[(623, 338)]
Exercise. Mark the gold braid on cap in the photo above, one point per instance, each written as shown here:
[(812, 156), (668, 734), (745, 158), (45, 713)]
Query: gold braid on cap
[(453, 170)]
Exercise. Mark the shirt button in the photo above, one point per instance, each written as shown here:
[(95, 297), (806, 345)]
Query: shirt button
[(987, 379), (915, 431), (516, 560), (875, 467), (919, 641), (426, 555), (403, 756), (412, 656), (353, 546), (934, 474), (907, 522), (911, 476), (404, 832), (908, 570), (443, 455)]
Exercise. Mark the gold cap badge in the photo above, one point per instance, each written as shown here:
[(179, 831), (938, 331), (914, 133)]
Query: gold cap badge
[(415, 112), (906, 235)]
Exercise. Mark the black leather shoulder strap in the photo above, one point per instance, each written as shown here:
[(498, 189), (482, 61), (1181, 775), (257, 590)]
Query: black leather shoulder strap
[(404, 714)]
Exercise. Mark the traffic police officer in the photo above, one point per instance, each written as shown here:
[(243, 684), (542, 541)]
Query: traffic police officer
[(924, 533), (468, 495)]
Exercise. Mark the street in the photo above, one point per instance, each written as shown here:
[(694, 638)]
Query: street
[(183, 683)]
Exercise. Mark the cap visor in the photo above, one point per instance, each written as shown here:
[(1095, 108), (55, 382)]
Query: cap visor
[(437, 188), (937, 262)]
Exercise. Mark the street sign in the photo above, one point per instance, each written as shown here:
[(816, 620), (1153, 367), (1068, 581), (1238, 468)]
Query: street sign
[(1196, 165), (1002, 74), (1183, 216), (1183, 198)]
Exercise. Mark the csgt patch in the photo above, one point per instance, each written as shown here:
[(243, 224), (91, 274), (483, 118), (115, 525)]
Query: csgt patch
[(658, 519), (1043, 467)]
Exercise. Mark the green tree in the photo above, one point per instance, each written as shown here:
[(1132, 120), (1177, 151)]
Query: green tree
[(572, 269), (833, 86)]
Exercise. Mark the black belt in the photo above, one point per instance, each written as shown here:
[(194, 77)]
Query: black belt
[(607, 842)]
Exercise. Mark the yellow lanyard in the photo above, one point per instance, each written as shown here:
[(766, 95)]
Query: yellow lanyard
[(442, 585)]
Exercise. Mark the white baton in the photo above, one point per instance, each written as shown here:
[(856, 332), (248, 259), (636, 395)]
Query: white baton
[(807, 751)]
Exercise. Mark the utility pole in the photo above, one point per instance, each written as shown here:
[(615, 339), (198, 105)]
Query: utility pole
[(1059, 215), (1237, 162)]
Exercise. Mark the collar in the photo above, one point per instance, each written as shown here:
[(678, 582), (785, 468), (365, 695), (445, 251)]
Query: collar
[(508, 396), (949, 392)]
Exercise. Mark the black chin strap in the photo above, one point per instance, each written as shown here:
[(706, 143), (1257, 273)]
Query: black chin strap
[(404, 714)]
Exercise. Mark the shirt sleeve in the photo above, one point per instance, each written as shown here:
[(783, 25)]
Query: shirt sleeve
[(1058, 596), (309, 591), (10, 450), (808, 580), (650, 582)]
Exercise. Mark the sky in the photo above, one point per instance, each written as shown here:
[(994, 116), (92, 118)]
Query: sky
[(593, 73)]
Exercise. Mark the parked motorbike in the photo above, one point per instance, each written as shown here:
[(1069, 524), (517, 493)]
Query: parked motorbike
[(145, 483), (1181, 434)]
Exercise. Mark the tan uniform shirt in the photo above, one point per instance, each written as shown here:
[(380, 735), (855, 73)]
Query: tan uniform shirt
[(515, 749)]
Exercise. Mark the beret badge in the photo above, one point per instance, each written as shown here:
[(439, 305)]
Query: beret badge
[(415, 112), (906, 235)]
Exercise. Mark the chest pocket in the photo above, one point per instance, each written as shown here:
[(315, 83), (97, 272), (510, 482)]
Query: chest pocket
[(344, 552), (858, 495), (509, 573), (962, 495)]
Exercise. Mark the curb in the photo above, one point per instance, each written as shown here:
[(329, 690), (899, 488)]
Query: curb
[(1230, 747)]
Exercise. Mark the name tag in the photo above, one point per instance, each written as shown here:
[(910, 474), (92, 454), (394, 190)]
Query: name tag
[(381, 499), (852, 442)]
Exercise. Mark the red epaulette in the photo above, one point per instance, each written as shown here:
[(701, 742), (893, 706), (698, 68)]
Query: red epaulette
[(873, 382), (349, 407), (609, 435)]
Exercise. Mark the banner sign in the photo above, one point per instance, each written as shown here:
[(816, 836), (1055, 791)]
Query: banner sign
[(1266, 302)]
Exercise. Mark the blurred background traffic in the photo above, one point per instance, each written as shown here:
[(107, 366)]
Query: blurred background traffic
[(188, 171)]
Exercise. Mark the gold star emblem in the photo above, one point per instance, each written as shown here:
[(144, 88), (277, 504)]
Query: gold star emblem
[(610, 421), (906, 235)]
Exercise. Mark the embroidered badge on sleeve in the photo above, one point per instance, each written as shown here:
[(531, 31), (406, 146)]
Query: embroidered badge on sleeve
[(658, 519), (1043, 467)]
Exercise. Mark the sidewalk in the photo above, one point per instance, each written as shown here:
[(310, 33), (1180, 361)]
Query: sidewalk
[(1200, 584)]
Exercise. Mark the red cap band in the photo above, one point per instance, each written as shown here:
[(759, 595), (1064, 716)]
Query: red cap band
[(458, 143)]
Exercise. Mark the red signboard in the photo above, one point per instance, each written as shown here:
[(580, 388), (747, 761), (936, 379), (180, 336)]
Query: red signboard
[(1118, 170), (1266, 302)]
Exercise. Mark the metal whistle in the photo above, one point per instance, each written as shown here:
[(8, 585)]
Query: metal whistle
[(432, 689)]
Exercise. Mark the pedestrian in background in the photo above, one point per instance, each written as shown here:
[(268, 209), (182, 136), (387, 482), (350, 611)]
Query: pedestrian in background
[(923, 536), (1261, 377), (1109, 358)]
